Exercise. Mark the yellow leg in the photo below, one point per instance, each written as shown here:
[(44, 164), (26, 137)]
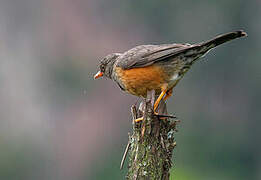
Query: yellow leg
[(156, 104), (168, 94)]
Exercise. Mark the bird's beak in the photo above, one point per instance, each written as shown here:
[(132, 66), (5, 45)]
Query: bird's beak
[(98, 75)]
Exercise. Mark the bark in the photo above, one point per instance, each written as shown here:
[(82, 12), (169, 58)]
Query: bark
[(152, 142)]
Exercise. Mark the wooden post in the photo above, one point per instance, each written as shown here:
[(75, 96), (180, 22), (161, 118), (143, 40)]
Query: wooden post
[(152, 142)]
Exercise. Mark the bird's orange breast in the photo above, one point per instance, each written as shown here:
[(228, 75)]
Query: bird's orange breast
[(138, 81)]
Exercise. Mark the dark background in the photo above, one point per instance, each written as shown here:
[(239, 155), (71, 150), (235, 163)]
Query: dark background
[(56, 122)]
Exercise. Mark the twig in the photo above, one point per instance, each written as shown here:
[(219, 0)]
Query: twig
[(134, 116), (125, 153)]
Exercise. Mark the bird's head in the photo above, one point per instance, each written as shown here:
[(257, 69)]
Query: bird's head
[(106, 66)]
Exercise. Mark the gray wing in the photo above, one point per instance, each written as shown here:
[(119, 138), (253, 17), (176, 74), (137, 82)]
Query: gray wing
[(146, 55)]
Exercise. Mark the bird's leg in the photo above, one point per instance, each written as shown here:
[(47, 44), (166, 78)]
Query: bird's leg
[(156, 104), (168, 94)]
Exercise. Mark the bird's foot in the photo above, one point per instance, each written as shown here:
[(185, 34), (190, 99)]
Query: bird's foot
[(164, 116), (138, 120), (160, 116)]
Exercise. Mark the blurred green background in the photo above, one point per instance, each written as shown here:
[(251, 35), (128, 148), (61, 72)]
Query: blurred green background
[(56, 122)]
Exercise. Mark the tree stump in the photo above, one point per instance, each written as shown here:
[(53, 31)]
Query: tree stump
[(152, 142)]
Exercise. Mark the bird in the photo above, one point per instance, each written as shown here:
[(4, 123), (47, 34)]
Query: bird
[(157, 67)]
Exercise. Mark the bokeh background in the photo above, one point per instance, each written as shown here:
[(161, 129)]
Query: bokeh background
[(56, 122)]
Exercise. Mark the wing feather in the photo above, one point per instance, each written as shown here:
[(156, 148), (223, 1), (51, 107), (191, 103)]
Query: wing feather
[(145, 55)]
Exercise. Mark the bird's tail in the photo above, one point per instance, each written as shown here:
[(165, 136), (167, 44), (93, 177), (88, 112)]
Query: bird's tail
[(199, 49), (222, 39)]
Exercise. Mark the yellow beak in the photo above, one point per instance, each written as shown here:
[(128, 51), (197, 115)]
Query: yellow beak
[(98, 75)]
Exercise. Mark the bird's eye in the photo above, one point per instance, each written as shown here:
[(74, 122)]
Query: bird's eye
[(102, 67)]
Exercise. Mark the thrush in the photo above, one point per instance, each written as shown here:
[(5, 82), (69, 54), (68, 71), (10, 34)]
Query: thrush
[(157, 67)]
